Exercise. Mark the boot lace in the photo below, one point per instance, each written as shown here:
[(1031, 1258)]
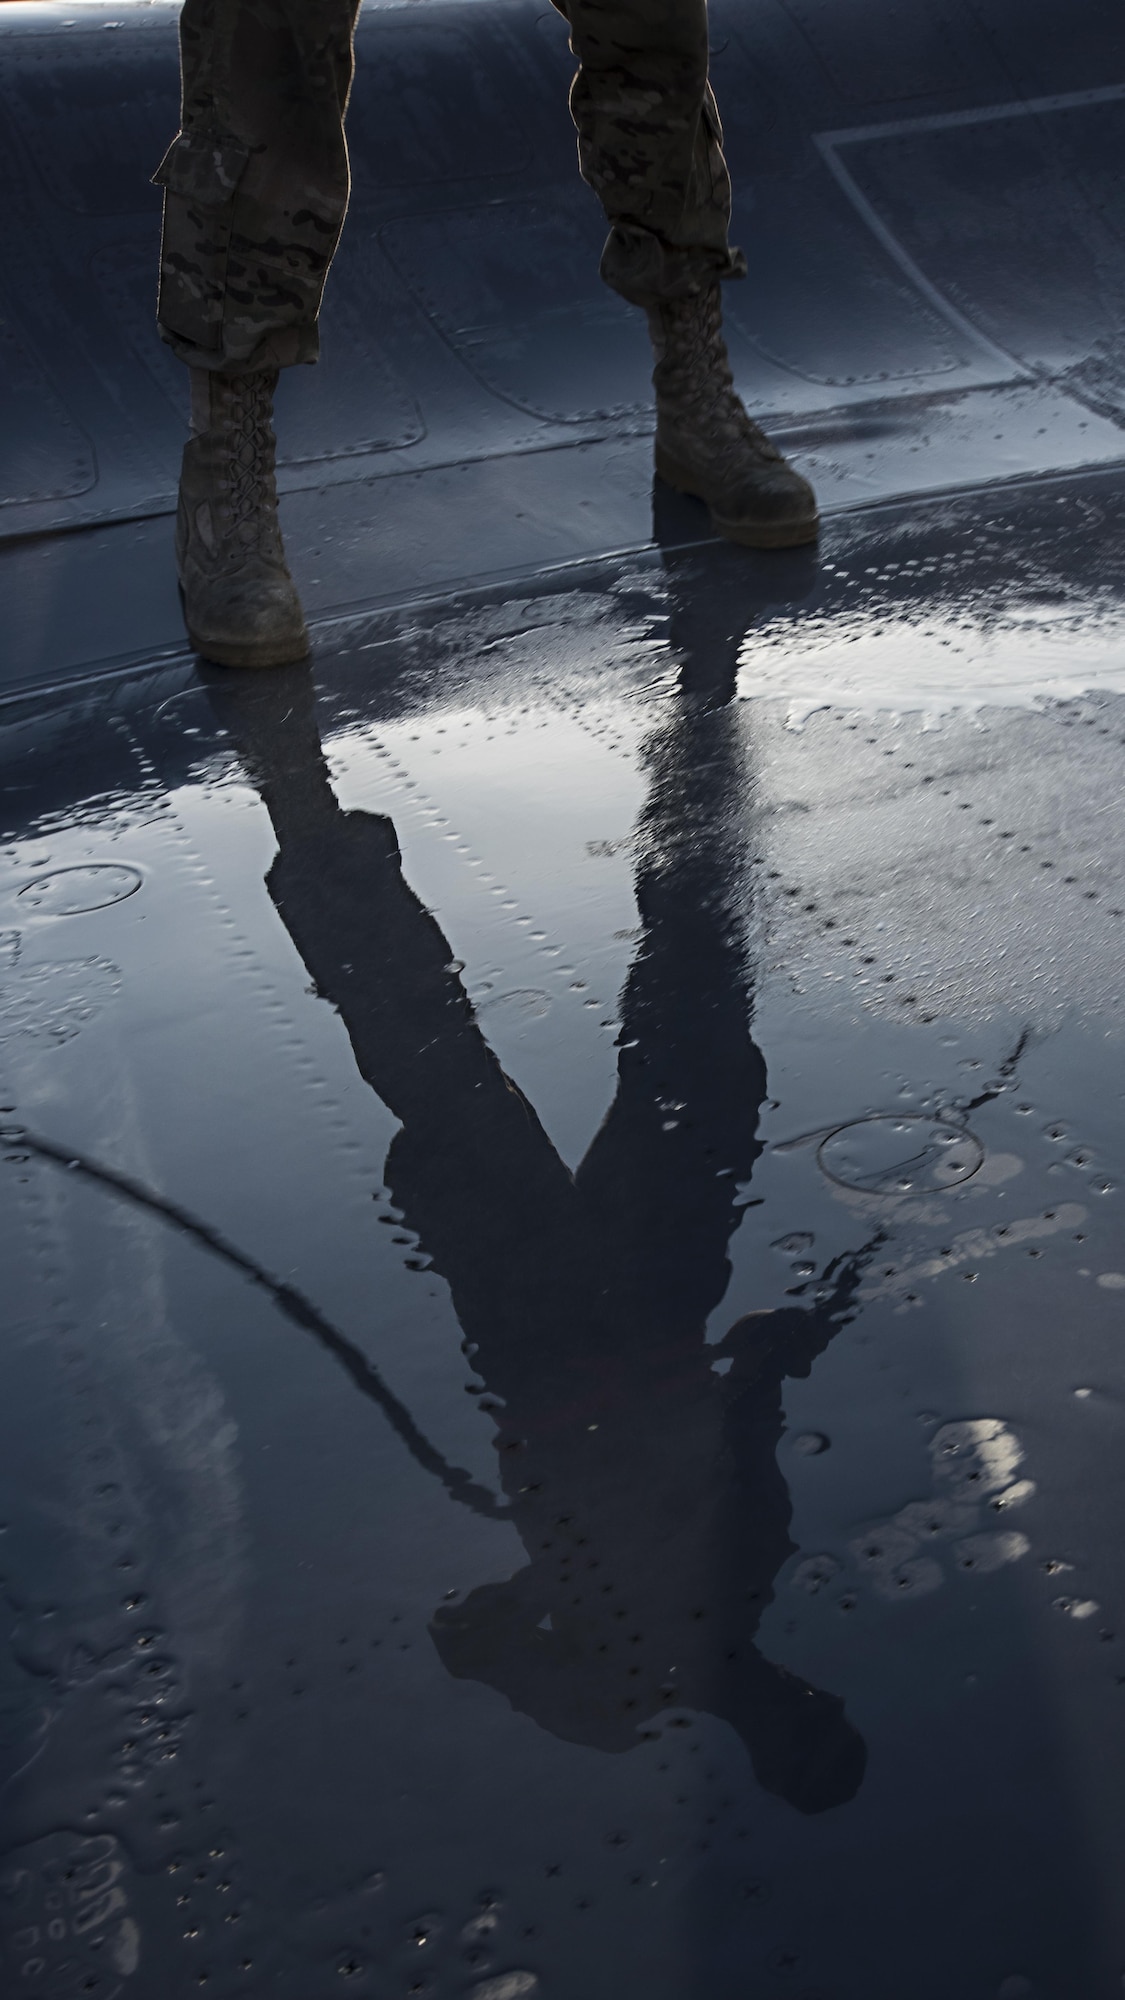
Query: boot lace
[(693, 380), (242, 408)]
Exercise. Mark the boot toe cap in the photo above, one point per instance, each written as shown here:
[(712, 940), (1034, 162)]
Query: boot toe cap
[(775, 503)]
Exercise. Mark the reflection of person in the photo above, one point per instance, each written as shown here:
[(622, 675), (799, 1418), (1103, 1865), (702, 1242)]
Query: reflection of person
[(256, 185), (643, 1483)]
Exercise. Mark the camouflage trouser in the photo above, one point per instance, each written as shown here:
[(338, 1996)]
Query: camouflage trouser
[(256, 183)]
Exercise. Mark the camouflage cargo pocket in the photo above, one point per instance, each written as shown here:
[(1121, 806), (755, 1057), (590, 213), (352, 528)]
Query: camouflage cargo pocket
[(200, 174)]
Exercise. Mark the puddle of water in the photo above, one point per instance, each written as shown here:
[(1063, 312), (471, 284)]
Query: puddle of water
[(359, 1008), (883, 660)]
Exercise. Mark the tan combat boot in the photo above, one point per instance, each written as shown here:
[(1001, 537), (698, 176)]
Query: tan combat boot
[(241, 605), (705, 442)]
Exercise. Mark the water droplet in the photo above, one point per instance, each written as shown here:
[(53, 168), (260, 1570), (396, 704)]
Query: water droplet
[(814, 1573), (932, 1520), (976, 1457), (52, 1001), (914, 1578), (479, 1930), (508, 1986), (985, 1553), (811, 1443), (523, 1003), (886, 1554), (783, 1961)]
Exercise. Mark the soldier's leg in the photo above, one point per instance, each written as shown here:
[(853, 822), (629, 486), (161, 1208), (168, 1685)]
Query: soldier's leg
[(256, 187), (650, 145)]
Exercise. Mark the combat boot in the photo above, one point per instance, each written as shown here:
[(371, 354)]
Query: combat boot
[(706, 443), (241, 605)]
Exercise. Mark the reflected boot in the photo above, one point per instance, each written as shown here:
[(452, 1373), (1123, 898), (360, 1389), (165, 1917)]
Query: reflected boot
[(241, 605), (705, 442)]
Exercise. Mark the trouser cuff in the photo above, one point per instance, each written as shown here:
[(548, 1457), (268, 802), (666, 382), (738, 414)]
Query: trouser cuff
[(647, 272), (281, 349), (240, 285)]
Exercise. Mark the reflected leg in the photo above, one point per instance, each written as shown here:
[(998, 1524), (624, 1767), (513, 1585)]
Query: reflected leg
[(583, 1304)]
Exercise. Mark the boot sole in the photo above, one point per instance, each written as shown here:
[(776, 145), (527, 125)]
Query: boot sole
[(263, 656), (752, 535), (232, 654)]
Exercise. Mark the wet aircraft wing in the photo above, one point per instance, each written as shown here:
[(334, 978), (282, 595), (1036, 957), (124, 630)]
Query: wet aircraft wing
[(561, 1168)]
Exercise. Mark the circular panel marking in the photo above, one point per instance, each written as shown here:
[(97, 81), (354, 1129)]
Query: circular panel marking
[(892, 1154), (67, 892)]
